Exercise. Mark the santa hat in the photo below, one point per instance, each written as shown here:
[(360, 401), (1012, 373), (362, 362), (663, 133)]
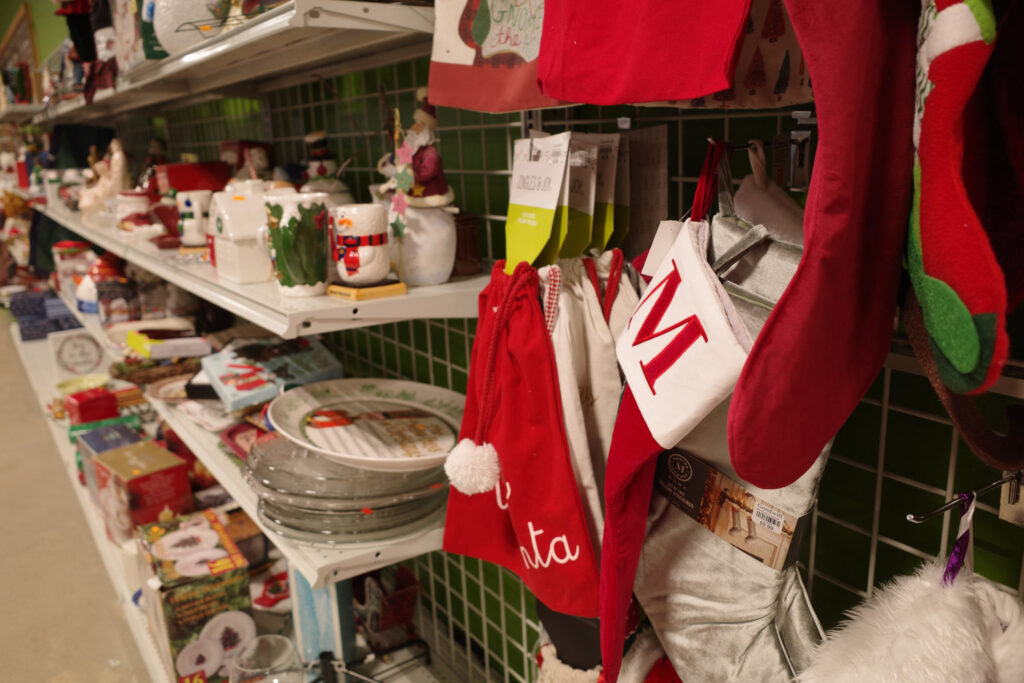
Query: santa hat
[(825, 341), (427, 113)]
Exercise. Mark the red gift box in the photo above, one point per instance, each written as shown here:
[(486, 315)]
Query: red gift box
[(91, 405), (197, 472), (138, 484), (207, 175)]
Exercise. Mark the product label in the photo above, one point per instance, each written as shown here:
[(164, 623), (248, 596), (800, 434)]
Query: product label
[(538, 172), (604, 186), (620, 220), (725, 508), (575, 216)]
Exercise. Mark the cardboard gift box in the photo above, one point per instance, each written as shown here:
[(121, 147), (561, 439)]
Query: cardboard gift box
[(196, 595), (140, 483), (101, 440), (251, 371), (91, 405)]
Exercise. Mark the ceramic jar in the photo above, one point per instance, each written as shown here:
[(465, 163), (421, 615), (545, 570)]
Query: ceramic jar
[(322, 178), (233, 235), (193, 212), (297, 236), (361, 243), (425, 255)]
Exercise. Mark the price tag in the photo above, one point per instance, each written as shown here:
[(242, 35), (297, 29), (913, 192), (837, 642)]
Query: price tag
[(197, 677), (768, 517)]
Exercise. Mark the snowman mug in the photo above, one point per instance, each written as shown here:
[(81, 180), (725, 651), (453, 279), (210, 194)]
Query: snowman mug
[(361, 243)]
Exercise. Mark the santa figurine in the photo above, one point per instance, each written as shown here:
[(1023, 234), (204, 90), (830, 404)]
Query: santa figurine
[(112, 173), (420, 208)]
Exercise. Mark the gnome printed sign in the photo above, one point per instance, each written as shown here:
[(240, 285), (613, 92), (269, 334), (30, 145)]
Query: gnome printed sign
[(485, 53)]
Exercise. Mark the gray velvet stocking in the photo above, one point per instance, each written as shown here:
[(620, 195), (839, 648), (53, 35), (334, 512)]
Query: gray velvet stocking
[(720, 614)]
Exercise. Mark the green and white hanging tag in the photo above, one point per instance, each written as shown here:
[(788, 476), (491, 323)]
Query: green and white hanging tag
[(604, 189), (538, 173)]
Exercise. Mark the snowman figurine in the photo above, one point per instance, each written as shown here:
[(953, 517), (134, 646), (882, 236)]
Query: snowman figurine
[(361, 243), (421, 211), (322, 171)]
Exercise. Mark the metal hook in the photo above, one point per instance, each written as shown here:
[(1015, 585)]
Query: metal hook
[(1013, 479), (733, 147)]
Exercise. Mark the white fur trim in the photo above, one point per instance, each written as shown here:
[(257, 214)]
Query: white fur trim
[(431, 201), (473, 468), (554, 670), (915, 630)]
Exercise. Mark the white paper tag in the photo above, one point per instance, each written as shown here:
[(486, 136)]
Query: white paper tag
[(768, 517), (667, 233)]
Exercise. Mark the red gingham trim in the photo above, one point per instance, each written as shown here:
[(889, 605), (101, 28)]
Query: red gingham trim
[(551, 298)]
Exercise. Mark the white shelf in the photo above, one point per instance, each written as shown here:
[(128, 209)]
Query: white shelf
[(319, 565), (91, 323), (295, 38), (21, 192), (35, 356), (260, 303), (19, 113), (108, 237)]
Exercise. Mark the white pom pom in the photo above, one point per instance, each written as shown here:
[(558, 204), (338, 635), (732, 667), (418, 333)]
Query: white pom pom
[(473, 468)]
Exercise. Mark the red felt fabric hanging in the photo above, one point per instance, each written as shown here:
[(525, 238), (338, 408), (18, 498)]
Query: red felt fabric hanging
[(533, 521), (829, 334), (613, 52)]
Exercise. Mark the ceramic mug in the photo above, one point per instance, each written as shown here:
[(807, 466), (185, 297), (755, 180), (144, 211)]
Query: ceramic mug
[(297, 236), (193, 212), (361, 243), (426, 253)]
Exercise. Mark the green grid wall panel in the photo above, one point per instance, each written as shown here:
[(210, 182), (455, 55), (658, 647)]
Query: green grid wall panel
[(479, 617)]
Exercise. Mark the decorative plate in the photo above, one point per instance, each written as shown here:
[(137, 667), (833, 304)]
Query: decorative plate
[(197, 562), (170, 390), (376, 424), (184, 542)]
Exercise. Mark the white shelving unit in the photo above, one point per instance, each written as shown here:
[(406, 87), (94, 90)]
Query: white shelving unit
[(318, 565), (298, 37), (19, 113), (91, 323), (108, 237), (261, 303), (35, 356)]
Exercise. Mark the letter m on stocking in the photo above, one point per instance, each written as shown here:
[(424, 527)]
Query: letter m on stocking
[(684, 332)]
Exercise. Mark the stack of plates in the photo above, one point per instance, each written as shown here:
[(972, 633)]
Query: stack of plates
[(355, 460)]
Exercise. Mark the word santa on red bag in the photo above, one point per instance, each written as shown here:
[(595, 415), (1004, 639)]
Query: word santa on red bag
[(514, 500)]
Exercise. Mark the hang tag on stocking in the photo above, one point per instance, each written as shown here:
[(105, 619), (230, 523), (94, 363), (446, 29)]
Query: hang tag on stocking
[(961, 558)]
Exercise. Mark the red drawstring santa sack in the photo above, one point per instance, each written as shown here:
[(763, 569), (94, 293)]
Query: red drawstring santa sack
[(514, 500)]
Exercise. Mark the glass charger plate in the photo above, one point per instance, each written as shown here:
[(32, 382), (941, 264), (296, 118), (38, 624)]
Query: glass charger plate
[(334, 540), (278, 464)]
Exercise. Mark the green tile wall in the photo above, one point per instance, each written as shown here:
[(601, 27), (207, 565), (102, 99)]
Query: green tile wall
[(481, 619)]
